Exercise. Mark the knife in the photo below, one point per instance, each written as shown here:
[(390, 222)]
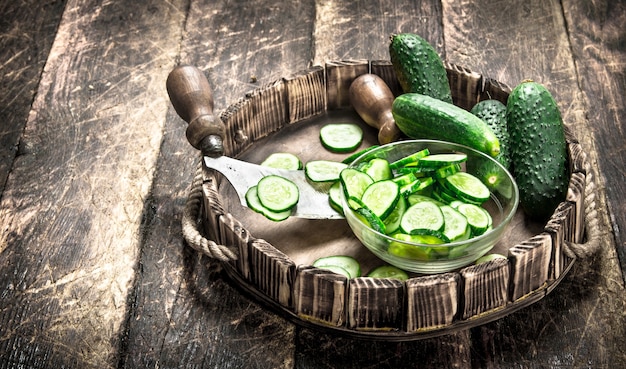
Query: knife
[(192, 98)]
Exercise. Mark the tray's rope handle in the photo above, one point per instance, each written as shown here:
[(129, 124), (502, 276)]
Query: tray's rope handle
[(190, 223), (592, 229)]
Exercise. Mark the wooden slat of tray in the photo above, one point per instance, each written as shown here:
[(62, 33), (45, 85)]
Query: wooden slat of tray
[(475, 294)]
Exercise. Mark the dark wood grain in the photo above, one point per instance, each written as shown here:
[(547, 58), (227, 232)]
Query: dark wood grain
[(93, 269), (73, 203), (597, 38), (28, 28)]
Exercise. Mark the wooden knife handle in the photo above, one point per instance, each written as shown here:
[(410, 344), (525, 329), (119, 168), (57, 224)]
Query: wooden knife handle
[(192, 98)]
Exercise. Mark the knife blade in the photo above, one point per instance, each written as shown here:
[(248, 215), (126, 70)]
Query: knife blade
[(313, 203)]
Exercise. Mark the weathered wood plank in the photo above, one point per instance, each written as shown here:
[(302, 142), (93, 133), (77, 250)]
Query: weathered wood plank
[(73, 202), (597, 38), (319, 350), (26, 34), (476, 37), (195, 318)]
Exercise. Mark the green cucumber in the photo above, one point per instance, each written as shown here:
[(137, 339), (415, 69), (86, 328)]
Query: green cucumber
[(418, 67), (493, 112), (538, 149), (421, 116)]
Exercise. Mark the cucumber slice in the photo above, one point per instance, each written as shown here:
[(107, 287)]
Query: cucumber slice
[(478, 218), (323, 170), (418, 172), (336, 269), (388, 271), (456, 203), (378, 169), (282, 160), (403, 250), (335, 194), (381, 197), (467, 186), (405, 179), (410, 159), (489, 257), (415, 198), (392, 222), (430, 237), (456, 227), (354, 182), (341, 137), (418, 187), (425, 183), (447, 170), (440, 160), (410, 188), (368, 217), (347, 263), (422, 215), (252, 199), (442, 194), (277, 193)]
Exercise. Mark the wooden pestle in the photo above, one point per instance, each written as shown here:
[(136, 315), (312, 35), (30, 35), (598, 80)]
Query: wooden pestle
[(192, 98), (372, 99)]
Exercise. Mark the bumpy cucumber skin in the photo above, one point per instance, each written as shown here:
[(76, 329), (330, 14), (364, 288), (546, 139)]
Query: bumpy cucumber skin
[(493, 112), (538, 149), (421, 116), (418, 67)]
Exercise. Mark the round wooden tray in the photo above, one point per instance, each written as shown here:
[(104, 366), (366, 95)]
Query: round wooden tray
[(273, 263)]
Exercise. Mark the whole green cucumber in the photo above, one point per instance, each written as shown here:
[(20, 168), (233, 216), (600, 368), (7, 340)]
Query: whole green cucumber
[(538, 149), (421, 116), (493, 112), (418, 67)]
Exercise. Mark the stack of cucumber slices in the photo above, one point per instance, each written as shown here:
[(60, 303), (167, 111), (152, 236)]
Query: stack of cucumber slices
[(422, 198)]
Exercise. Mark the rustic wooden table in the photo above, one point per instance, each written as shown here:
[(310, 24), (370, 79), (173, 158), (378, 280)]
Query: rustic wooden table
[(95, 169)]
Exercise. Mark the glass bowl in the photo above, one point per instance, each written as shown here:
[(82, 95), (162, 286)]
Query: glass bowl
[(440, 258)]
